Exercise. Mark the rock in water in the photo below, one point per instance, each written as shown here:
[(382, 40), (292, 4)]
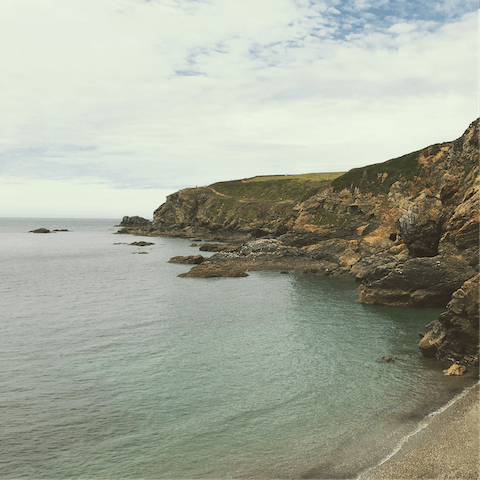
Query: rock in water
[(455, 369), (40, 230), (208, 271), (188, 259), (385, 359), (454, 335), (135, 221)]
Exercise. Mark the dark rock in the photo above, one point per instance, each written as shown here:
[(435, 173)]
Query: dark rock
[(212, 270), (420, 282), (420, 226), (188, 260), (454, 335), (40, 230), (134, 221), (60, 230), (384, 359), (142, 244), (216, 247)]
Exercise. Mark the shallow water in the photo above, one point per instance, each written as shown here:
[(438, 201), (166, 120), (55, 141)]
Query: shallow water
[(114, 367)]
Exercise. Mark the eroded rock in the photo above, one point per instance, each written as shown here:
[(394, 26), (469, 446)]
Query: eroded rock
[(419, 282), (454, 335)]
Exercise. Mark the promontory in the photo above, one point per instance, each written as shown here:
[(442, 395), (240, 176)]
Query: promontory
[(406, 229)]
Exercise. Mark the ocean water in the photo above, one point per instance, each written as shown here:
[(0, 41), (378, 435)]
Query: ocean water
[(112, 367)]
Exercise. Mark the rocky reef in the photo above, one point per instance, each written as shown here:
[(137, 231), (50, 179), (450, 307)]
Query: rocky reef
[(407, 229)]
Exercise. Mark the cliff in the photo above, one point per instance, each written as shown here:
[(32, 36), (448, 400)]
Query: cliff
[(406, 229)]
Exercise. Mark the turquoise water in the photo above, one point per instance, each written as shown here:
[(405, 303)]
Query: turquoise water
[(112, 367)]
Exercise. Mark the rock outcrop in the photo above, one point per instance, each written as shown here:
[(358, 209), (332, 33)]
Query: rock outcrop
[(134, 225), (134, 221), (454, 335), (188, 259), (406, 229)]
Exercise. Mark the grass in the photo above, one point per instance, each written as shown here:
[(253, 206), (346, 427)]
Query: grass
[(434, 149), (379, 177), (312, 177), (278, 188)]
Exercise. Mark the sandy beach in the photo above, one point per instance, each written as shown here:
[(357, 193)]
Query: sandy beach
[(445, 445)]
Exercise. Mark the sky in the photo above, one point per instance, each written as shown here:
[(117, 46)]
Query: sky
[(108, 106)]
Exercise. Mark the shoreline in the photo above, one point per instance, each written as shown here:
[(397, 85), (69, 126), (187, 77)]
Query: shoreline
[(445, 445)]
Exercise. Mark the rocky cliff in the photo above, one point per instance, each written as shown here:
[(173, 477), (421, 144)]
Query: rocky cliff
[(406, 229)]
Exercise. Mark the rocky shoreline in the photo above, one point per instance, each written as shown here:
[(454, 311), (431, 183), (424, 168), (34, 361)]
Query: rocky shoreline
[(407, 230)]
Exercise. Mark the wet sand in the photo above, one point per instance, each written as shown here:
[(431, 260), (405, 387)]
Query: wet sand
[(446, 446)]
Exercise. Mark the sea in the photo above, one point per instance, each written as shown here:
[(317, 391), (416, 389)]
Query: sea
[(113, 367)]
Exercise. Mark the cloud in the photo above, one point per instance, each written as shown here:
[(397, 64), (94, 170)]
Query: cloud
[(135, 95)]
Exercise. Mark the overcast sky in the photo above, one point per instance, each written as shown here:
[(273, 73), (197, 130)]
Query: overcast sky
[(107, 106)]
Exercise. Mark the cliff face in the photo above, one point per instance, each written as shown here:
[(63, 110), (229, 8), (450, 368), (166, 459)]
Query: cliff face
[(406, 229)]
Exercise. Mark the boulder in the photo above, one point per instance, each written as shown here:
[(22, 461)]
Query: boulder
[(384, 359), (40, 230), (455, 369), (215, 270), (188, 259), (420, 225), (142, 244)]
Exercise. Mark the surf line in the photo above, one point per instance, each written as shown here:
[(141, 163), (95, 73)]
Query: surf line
[(424, 424)]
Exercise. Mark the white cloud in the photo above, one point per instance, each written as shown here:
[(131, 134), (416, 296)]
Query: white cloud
[(166, 94)]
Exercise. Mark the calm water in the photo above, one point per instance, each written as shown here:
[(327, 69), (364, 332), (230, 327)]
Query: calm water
[(111, 366)]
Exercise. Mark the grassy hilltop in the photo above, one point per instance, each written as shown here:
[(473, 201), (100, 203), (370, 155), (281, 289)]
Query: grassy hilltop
[(275, 202)]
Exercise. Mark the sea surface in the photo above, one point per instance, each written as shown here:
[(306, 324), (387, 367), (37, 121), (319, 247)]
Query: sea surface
[(112, 367)]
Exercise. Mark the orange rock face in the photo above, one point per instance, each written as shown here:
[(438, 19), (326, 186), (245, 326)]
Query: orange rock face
[(455, 369)]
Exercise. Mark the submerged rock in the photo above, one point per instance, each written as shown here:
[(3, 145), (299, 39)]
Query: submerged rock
[(384, 359), (142, 244)]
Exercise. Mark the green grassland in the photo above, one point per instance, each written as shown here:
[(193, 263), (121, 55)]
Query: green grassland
[(277, 188)]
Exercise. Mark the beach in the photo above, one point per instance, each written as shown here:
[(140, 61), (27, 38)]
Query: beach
[(444, 446)]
